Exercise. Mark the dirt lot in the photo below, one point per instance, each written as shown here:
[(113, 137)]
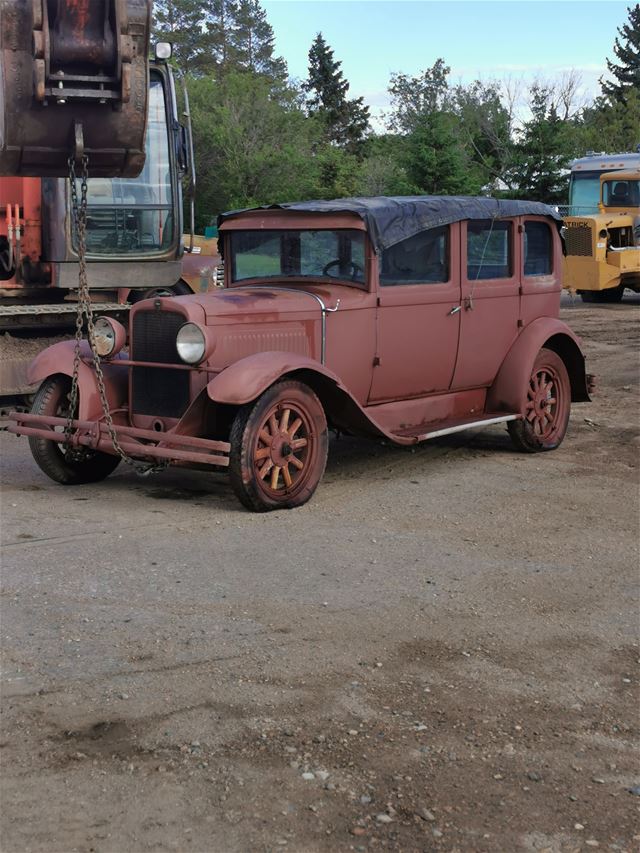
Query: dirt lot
[(440, 652)]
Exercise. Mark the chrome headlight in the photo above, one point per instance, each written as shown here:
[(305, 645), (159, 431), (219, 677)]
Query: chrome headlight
[(109, 336), (191, 343)]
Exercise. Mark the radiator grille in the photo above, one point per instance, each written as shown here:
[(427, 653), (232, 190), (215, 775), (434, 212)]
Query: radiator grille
[(155, 391), (578, 240)]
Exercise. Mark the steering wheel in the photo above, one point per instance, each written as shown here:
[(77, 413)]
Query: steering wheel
[(356, 269)]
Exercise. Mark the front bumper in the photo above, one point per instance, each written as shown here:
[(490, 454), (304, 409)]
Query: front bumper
[(142, 444)]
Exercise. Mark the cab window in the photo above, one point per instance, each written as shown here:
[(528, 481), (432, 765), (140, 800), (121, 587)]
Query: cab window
[(421, 259), (538, 248), (489, 253)]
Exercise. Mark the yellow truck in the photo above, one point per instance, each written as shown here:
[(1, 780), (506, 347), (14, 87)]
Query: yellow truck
[(603, 247)]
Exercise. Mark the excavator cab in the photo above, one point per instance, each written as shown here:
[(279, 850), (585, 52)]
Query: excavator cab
[(75, 81)]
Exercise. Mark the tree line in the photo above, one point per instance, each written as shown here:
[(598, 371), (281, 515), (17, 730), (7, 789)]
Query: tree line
[(261, 137)]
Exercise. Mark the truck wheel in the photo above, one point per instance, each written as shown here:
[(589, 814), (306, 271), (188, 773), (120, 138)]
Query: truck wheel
[(612, 294), (548, 405), (180, 288), (279, 448), (52, 398)]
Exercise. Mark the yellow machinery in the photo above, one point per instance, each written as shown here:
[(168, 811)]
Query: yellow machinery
[(603, 249)]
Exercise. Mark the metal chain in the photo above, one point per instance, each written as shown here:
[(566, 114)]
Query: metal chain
[(79, 213)]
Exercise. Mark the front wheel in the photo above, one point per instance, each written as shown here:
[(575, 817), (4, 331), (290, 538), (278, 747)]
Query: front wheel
[(547, 407), (180, 288), (279, 448), (87, 466)]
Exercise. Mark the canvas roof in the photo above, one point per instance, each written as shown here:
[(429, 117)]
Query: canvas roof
[(390, 219)]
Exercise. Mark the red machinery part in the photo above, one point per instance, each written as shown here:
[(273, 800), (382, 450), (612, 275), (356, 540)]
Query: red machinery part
[(74, 79)]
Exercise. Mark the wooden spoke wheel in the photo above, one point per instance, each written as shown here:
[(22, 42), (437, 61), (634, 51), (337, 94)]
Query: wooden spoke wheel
[(547, 407), (278, 448)]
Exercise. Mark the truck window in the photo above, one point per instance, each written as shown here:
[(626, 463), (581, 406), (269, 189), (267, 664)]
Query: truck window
[(134, 216), (622, 193), (488, 249), (538, 248), (421, 259)]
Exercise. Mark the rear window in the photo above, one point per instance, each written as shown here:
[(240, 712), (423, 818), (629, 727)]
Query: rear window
[(488, 249), (538, 248), (421, 259)]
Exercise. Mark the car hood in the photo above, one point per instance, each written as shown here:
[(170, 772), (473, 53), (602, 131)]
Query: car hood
[(263, 299)]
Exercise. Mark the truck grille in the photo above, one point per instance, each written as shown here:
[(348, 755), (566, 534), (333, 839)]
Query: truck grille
[(155, 391), (578, 240)]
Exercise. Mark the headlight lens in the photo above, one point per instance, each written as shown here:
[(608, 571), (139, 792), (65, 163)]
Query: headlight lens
[(105, 336), (191, 343)]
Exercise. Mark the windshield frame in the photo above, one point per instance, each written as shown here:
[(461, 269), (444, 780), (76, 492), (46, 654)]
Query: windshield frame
[(278, 226)]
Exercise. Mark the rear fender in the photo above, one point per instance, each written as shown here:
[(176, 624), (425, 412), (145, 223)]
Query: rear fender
[(58, 359), (509, 390)]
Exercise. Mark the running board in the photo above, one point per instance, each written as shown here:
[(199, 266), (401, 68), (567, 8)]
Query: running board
[(459, 427)]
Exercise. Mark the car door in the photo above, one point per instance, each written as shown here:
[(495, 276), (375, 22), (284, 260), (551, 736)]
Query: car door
[(490, 261), (418, 316)]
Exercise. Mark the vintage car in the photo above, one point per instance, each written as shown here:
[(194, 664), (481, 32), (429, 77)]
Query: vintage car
[(397, 318)]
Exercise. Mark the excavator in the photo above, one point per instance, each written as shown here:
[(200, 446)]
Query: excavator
[(80, 96)]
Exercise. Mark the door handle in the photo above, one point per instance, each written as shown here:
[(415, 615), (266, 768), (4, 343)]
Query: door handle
[(455, 309)]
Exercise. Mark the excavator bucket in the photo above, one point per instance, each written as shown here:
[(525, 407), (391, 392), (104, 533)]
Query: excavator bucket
[(74, 80)]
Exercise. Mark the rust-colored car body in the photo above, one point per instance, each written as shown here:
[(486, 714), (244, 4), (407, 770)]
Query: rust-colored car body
[(383, 354)]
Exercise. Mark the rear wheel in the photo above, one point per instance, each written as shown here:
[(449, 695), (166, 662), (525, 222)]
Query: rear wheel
[(87, 466), (612, 294), (547, 407), (278, 448)]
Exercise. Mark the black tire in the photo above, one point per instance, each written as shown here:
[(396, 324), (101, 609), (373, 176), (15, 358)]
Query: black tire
[(52, 399), (546, 416), (609, 296), (289, 422), (180, 288)]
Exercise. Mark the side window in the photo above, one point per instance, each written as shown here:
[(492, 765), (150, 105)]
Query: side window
[(538, 248), (421, 259), (488, 249)]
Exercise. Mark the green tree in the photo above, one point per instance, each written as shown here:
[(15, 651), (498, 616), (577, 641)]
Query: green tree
[(219, 16), (542, 153), (179, 22), (626, 47), (413, 97), (345, 121), (485, 126), (609, 125), (251, 148), (252, 40)]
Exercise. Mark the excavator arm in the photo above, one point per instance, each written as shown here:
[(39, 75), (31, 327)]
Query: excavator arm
[(74, 81)]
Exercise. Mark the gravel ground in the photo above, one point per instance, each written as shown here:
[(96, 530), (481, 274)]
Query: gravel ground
[(439, 652)]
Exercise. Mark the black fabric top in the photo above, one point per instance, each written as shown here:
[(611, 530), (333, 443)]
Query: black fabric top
[(390, 219)]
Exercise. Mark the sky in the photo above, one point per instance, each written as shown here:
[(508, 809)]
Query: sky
[(520, 39)]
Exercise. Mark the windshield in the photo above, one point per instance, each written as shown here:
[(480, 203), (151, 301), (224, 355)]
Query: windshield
[(584, 193), (621, 193), (135, 216), (326, 254)]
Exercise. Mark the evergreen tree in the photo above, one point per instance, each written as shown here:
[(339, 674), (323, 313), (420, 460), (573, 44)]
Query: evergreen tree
[(627, 50), (542, 153), (346, 122), (220, 20), (252, 40), (180, 22)]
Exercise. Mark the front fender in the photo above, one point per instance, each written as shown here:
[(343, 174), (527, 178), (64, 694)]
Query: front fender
[(509, 390), (59, 359), (247, 378)]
